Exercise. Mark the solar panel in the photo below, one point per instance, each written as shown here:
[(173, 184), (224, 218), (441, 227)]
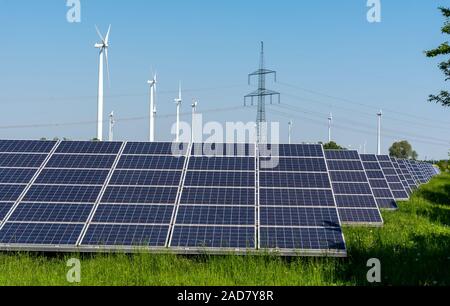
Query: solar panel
[(297, 211), (146, 148), (85, 147), (139, 199), (401, 176), (108, 196), (380, 187), (406, 172), (218, 196), (353, 193), (392, 178), (26, 146)]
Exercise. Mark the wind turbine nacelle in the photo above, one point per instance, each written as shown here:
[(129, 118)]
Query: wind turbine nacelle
[(98, 46)]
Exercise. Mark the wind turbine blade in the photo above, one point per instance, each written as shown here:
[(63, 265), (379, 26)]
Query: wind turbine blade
[(107, 35), (107, 66), (179, 92), (99, 34)]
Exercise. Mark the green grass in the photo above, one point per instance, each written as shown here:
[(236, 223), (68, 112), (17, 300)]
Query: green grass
[(413, 247)]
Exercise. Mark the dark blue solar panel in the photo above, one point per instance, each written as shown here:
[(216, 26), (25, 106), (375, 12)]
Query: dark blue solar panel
[(295, 197), (342, 154), (369, 158), (218, 196), (285, 150), (387, 204), (299, 216), (138, 214), (40, 234), (216, 215), (378, 183), (63, 194), (350, 201), (221, 149), (372, 166), (294, 180), (213, 237), (401, 195), (293, 164), (81, 161), (302, 238), (382, 193), (16, 176), (375, 174), (146, 178), (341, 176), (220, 179), (352, 188), (391, 172), (140, 195), (51, 213), (383, 158), (362, 216), (345, 165), (10, 193), (222, 163), (126, 235), (26, 146), (4, 209), (87, 147), (386, 164), (22, 160), (72, 177), (141, 162), (165, 148)]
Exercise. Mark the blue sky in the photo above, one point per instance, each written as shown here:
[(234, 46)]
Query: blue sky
[(328, 58)]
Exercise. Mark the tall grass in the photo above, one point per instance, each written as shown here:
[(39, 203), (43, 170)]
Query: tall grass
[(413, 247)]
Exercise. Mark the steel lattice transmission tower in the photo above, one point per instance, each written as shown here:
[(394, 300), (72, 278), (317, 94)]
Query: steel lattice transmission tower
[(261, 93)]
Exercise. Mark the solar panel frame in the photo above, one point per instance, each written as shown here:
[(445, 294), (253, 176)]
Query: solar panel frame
[(296, 245), (398, 190), (383, 195), (47, 217), (182, 238), (339, 163)]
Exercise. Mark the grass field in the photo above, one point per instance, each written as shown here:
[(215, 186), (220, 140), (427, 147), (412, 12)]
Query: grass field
[(413, 247)]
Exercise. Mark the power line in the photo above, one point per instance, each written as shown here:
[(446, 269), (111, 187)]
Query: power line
[(362, 104)]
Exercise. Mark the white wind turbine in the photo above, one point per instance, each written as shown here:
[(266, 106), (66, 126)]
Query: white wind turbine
[(178, 102), (152, 83), (103, 46)]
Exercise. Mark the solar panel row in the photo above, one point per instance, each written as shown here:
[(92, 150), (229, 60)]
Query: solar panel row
[(354, 196), (95, 196)]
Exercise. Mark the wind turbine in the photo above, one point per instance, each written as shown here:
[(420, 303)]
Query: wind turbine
[(194, 109), (330, 122), (103, 46), (291, 123), (112, 122), (178, 102), (379, 115), (152, 83)]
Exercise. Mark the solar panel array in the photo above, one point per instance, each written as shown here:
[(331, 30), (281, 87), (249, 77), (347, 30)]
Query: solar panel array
[(353, 193), (401, 176), (216, 198), (392, 178), (380, 187)]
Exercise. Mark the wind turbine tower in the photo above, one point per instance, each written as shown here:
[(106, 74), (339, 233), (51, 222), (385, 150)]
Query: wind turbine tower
[(152, 83), (178, 102), (103, 46), (112, 122), (194, 109), (291, 123), (380, 115), (261, 93), (330, 122)]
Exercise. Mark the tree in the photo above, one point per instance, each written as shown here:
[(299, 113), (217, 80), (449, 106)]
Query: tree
[(332, 146), (444, 49), (402, 150)]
